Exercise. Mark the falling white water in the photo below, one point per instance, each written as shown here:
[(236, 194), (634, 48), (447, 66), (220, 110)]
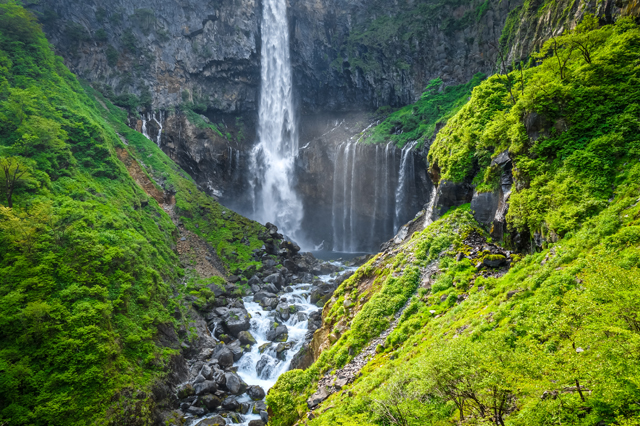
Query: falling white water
[(273, 158), (428, 220), (159, 123), (347, 208), (339, 167), (406, 164), (144, 127)]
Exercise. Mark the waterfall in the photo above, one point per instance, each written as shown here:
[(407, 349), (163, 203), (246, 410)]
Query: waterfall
[(376, 196), (158, 139), (371, 184), (346, 206), (406, 168), (338, 168), (432, 201), (389, 150), (273, 157), (144, 127), (352, 225)]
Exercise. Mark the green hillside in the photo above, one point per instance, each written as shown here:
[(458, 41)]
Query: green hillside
[(88, 267), (555, 340)]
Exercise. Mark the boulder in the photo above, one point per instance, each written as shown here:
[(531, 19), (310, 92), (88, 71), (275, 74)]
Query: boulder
[(263, 294), (270, 303), (263, 347), (219, 377), (258, 407), (210, 402), (196, 411), (246, 338), (281, 350), (302, 359), (206, 372), (278, 333), (208, 386), (212, 421), (321, 293), (484, 206), (224, 356), (230, 403), (264, 416), (235, 385), (256, 423), (494, 260), (185, 391), (254, 280), (237, 320), (283, 312), (318, 397), (256, 393), (276, 279), (315, 320), (270, 288), (236, 349)]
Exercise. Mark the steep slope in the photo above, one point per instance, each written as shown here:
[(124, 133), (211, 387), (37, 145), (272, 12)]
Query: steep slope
[(473, 333), (93, 311)]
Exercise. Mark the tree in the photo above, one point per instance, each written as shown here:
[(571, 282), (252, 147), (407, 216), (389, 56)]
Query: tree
[(13, 173)]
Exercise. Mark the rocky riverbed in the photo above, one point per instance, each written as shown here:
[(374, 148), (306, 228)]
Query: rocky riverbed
[(255, 330)]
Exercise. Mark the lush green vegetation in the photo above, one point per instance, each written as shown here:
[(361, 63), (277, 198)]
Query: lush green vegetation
[(553, 341), (88, 270), (570, 124), (393, 280), (418, 121)]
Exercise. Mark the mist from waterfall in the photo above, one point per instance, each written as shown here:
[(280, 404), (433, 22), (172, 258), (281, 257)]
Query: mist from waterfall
[(272, 160)]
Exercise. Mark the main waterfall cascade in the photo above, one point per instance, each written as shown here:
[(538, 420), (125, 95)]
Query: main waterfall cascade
[(393, 191), (272, 160)]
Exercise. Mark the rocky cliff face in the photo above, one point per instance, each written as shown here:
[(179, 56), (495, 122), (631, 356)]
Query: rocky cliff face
[(347, 54), (204, 52)]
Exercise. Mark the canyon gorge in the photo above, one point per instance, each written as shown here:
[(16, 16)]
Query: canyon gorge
[(319, 212)]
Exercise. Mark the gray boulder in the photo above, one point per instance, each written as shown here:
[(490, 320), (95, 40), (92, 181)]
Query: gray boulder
[(263, 294), (278, 333), (212, 421), (318, 397), (246, 338), (256, 393), (224, 356), (270, 303), (276, 279), (210, 402), (235, 385), (321, 293), (208, 386), (283, 312), (236, 349), (236, 320)]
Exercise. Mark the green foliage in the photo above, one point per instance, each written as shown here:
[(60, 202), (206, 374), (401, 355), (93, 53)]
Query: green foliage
[(418, 121), (556, 338), (112, 56), (88, 271), (101, 35), (582, 102), (129, 42)]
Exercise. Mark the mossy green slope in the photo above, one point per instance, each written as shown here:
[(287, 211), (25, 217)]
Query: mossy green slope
[(88, 271), (554, 340)]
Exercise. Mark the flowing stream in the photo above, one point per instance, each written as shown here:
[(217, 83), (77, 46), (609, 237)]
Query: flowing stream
[(267, 360)]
